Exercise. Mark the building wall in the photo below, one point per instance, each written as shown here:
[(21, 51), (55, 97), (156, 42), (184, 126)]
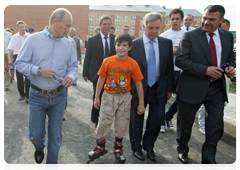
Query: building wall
[(118, 24), (37, 16)]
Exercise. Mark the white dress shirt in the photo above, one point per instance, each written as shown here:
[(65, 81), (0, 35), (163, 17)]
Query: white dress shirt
[(185, 28), (7, 37), (147, 44), (217, 42), (103, 41), (17, 41)]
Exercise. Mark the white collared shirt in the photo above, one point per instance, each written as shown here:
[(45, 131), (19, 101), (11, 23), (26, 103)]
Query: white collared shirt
[(103, 41), (147, 44), (217, 42), (17, 41), (7, 37), (189, 28)]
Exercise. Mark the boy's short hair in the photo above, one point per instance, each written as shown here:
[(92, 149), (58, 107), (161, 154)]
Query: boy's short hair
[(123, 37), (20, 22)]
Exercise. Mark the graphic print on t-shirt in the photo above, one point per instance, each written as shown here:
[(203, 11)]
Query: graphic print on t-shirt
[(118, 78)]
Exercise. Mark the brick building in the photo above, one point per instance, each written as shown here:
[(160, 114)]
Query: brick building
[(86, 17)]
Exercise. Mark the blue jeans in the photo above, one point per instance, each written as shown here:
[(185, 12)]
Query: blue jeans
[(53, 106)]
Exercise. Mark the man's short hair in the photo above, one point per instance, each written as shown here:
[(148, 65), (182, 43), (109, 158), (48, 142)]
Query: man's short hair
[(72, 29), (105, 17), (59, 14), (20, 22), (112, 28), (125, 25), (190, 15), (30, 30), (123, 37), (152, 16), (216, 8), (97, 28), (176, 11), (226, 21)]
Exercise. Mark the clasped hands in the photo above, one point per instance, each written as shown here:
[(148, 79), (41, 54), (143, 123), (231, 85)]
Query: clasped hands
[(48, 73), (217, 72)]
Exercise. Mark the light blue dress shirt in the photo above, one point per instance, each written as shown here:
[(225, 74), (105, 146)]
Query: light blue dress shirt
[(41, 50)]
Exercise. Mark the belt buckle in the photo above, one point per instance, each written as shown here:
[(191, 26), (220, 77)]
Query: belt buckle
[(48, 92)]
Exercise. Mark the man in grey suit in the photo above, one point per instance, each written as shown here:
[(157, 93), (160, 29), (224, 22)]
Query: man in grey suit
[(72, 33), (154, 54), (200, 55), (99, 47)]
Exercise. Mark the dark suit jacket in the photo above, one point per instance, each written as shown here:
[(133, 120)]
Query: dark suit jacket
[(94, 56), (78, 47), (194, 57), (165, 83)]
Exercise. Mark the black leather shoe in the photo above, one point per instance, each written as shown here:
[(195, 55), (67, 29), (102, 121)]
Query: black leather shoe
[(183, 157), (213, 164), (38, 156), (138, 154), (151, 155)]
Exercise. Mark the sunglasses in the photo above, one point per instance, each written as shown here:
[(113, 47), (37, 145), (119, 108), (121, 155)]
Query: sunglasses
[(57, 78)]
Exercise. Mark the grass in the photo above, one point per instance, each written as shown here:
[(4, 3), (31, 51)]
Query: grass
[(232, 87)]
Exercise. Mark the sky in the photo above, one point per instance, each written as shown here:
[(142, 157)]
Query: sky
[(230, 11)]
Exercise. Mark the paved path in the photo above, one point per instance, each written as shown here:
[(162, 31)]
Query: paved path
[(78, 139)]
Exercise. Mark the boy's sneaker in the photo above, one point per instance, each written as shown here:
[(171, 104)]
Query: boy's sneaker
[(169, 125), (162, 130), (118, 152), (98, 151)]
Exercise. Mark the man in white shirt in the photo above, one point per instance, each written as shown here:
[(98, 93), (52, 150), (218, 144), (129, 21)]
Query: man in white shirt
[(175, 34), (187, 21), (14, 47)]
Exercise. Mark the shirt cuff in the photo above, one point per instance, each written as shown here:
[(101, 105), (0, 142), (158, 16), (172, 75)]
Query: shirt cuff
[(34, 70)]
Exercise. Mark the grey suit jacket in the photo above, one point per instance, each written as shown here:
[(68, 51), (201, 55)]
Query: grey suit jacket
[(94, 56), (194, 57), (165, 83), (78, 47)]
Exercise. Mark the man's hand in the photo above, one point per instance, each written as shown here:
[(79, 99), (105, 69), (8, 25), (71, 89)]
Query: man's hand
[(6, 68), (230, 71), (67, 81), (214, 72), (10, 62), (140, 109), (97, 103), (47, 73), (169, 95), (85, 78)]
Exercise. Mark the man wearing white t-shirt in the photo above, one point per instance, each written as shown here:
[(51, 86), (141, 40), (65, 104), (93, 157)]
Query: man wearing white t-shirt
[(187, 21), (174, 33)]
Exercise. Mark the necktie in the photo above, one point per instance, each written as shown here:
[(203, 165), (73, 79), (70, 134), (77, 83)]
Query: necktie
[(151, 65), (106, 48), (187, 28), (213, 52)]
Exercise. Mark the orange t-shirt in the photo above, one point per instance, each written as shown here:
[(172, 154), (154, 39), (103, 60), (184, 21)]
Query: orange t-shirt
[(119, 74)]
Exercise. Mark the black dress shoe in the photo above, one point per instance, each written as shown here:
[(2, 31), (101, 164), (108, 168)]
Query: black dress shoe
[(138, 154), (213, 164), (151, 155), (183, 157), (38, 156)]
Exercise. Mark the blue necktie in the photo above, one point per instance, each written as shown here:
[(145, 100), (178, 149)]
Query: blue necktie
[(151, 65), (187, 28)]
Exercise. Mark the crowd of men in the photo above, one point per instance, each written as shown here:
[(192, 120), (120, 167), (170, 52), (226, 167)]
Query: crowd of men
[(191, 63)]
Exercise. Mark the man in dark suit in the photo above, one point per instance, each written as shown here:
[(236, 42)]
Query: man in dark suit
[(154, 54), (98, 47), (200, 55)]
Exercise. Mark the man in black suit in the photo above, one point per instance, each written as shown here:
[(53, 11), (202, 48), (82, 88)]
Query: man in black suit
[(200, 55), (98, 47), (158, 87)]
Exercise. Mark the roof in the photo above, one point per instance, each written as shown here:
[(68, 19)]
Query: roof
[(132, 8), (194, 12), (235, 33)]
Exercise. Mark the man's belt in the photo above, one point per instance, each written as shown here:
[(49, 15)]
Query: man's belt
[(52, 92)]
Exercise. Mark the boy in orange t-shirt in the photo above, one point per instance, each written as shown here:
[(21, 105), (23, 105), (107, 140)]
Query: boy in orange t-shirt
[(116, 99)]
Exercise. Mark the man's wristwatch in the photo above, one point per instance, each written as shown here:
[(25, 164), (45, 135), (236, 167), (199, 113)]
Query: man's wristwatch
[(39, 72)]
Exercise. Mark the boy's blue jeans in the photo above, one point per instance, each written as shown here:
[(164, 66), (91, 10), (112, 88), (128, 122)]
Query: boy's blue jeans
[(53, 106)]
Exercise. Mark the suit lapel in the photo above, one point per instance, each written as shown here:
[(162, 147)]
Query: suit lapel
[(99, 41), (224, 43), (141, 51), (162, 48), (204, 43)]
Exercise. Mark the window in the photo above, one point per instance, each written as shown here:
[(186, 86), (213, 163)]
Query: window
[(91, 17), (197, 23), (167, 22), (132, 28), (117, 18), (141, 29), (98, 17), (117, 28), (141, 19), (90, 27), (125, 18), (133, 18)]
